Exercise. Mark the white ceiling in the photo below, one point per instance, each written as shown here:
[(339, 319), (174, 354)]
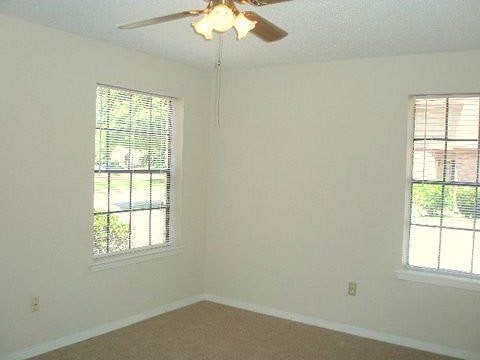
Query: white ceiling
[(319, 30)]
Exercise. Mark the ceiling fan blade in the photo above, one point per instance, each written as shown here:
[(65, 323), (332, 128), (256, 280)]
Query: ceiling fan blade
[(264, 29), (161, 19), (260, 2)]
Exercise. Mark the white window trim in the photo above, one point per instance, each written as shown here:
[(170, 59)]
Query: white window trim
[(438, 278), (174, 245), (133, 256), (421, 275)]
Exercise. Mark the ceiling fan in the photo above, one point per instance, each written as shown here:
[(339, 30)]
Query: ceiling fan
[(221, 16)]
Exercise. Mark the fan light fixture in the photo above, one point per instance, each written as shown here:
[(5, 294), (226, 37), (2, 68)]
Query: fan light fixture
[(222, 18), (243, 25)]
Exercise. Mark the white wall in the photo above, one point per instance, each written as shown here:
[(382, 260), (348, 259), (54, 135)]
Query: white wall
[(47, 116), (306, 192)]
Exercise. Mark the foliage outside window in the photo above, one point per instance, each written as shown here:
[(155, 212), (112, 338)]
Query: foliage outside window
[(444, 228), (132, 171)]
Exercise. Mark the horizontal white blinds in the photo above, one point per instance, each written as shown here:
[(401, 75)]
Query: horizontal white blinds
[(445, 205), (132, 170)]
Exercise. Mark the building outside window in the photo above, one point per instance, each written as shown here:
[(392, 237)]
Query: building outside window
[(444, 224)]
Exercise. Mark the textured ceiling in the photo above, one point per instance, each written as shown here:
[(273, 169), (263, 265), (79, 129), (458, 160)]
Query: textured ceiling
[(319, 29)]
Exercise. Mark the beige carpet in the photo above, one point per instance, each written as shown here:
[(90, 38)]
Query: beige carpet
[(209, 331)]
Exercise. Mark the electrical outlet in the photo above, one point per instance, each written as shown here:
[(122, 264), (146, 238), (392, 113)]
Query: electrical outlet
[(36, 303), (352, 288)]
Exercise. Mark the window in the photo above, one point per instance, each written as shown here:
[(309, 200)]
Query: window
[(132, 173), (444, 226)]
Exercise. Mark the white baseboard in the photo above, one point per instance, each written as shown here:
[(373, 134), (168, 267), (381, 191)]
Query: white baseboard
[(349, 329), (98, 330)]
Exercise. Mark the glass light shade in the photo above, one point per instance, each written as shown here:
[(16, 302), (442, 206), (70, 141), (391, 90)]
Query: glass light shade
[(204, 27), (243, 25), (221, 18)]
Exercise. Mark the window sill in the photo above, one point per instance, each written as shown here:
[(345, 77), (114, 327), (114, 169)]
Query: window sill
[(133, 256), (439, 279)]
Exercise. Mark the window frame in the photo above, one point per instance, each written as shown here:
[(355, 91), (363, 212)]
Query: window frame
[(172, 245), (443, 277)]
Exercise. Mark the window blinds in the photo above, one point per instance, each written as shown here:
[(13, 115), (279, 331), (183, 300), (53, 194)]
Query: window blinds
[(132, 173), (445, 206)]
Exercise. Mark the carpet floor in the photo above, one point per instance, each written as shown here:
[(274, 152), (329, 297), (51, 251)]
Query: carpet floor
[(209, 331)]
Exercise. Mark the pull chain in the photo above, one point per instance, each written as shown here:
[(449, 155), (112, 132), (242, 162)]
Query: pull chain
[(219, 74)]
